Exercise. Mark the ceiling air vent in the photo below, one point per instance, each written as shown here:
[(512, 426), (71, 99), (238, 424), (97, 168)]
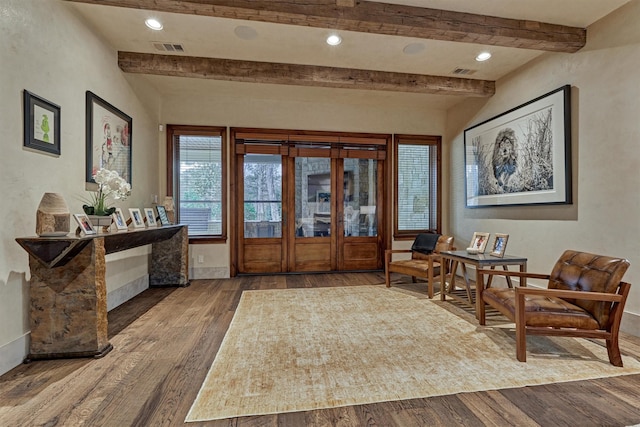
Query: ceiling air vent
[(168, 47), (463, 71)]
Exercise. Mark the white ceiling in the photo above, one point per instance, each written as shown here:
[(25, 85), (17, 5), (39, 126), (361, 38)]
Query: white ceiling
[(124, 30)]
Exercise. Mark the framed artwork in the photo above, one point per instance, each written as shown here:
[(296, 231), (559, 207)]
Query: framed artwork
[(162, 215), (118, 219), (523, 156), (84, 223), (499, 245), (478, 243), (41, 124), (151, 217), (136, 218), (108, 138)]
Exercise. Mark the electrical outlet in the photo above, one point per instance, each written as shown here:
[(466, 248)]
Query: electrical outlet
[(200, 259)]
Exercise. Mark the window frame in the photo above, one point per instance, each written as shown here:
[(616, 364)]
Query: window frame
[(173, 164), (425, 140)]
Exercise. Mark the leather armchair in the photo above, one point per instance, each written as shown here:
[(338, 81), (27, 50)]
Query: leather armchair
[(585, 298), (420, 265)]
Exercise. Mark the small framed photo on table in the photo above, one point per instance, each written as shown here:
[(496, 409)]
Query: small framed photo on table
[(162, 215), (84, 223), (478, 243), (151, 217), (136, 218), (499, 245), (118, 220)]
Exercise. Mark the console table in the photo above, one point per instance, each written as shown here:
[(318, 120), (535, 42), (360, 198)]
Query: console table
[(68, 292), (480, 261)]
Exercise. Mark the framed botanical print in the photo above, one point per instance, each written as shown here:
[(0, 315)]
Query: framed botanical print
[(41, 124)]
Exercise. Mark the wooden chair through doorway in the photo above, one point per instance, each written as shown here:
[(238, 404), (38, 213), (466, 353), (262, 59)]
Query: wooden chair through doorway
[(421, 265)]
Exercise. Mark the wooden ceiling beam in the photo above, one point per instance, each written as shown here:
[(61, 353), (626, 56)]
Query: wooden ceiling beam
[(300, 75), (378, 18)]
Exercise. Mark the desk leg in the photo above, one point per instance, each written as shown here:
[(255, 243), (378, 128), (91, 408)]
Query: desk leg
[(452, 279), (480, 314), (509, 282), (170, 261), (523, 269), (443, 280), (466, 283), (69, 306)]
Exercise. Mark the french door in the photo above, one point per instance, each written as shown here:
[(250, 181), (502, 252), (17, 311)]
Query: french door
[(307, 206)]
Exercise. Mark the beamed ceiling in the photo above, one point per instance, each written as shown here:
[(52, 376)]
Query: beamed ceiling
[(403, 48)]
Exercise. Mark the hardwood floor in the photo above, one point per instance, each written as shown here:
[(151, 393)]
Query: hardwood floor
[(165, 340)]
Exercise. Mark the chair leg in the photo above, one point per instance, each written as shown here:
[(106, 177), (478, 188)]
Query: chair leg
[(521, 331), (613, 350), (387, 277), (521, 344)]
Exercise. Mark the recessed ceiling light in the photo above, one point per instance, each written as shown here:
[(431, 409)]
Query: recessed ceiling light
[(413, 48), (245, 32), (334, 40), (483, 56), (154, 24)]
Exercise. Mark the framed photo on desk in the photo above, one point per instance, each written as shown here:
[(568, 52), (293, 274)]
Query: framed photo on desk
[(499, 245)]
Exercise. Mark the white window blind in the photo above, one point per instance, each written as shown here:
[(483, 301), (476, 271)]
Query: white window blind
[(417, 196), (199, 183)]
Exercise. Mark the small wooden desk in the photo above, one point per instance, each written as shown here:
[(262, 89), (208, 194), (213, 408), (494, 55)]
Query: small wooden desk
[(68, 292), (480, 261)]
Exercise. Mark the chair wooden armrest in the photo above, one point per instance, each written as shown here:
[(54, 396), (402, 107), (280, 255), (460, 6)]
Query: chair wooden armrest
[(562, 293), (388, 254)]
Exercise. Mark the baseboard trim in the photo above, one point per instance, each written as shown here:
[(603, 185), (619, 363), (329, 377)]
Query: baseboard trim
[(209, 273), (13, 353), (630, 324), (126, 292)]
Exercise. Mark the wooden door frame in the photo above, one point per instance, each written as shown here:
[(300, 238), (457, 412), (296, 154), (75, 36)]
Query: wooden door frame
[(382, 141)]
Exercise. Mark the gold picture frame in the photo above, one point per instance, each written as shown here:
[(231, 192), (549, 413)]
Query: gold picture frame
[(478, 243), (499, 245)]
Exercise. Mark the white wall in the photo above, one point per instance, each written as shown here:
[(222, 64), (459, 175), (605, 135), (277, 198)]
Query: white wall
[(605, 215), (288, 109), (46, 49)]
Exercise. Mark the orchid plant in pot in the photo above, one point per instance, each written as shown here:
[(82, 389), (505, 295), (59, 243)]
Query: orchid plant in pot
[(110, 185)]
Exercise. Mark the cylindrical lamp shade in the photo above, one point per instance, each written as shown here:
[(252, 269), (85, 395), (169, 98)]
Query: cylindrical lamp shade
[(53, 217)]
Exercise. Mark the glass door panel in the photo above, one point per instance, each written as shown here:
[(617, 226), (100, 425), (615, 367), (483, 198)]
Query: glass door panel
[(262, 196), (360, 197), (313, 213), (313, 245)]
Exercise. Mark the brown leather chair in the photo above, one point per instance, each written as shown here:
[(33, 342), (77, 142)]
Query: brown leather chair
[(585, 298), (420, 264)]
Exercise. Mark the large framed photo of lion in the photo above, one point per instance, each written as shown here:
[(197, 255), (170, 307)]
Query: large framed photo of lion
[(523, 156)]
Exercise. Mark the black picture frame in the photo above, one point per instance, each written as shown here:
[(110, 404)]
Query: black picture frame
[(109, 138), (522, 156), (41, 124), (162, 215)]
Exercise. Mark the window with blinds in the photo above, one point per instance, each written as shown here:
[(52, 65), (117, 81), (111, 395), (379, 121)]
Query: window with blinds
[(417, 206), (198, 179)]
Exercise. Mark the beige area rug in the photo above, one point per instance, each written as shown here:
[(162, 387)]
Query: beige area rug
[(303, 349)]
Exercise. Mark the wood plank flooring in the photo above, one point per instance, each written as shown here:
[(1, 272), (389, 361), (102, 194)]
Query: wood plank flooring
[(166, 339)]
